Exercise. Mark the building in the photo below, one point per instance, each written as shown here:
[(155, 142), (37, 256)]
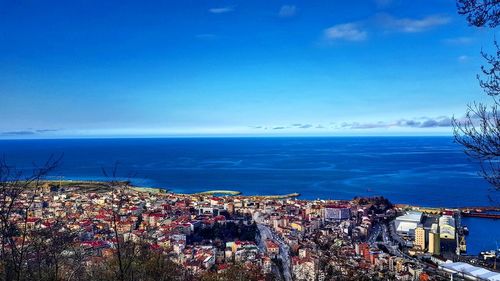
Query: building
[(267, 265), (272, 248), (420, 238), (337, 212), (248, 252), (405, 225), (363, 249), (434, 247), (469, 272), (303, 269), (447, 227)]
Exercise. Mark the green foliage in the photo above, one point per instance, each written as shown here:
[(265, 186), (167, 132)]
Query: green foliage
[(229, 231), (233, 273)]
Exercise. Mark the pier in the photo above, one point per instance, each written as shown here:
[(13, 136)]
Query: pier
[(481, 212), (222, 192), (481, 215)]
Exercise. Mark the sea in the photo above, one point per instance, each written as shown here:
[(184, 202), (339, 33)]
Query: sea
[(423, 171)]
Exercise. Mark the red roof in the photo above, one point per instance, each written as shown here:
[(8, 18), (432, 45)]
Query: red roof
[(93, 244), (155, 247), (157, 215), (337, 206), (222, 266), (32, 219), (220, 218), (271, 244)]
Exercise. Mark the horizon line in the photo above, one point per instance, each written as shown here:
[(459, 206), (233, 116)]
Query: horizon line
[(230, 136)]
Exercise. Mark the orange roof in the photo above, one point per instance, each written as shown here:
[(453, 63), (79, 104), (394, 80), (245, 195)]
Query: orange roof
[(271, 244)]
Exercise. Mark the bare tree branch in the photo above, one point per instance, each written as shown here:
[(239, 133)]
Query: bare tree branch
[(480, 12)]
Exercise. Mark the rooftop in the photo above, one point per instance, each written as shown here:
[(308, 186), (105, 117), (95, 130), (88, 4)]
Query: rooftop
[(471, 271), (411, 216)]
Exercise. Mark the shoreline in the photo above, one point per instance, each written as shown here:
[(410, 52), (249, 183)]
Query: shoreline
[(224, 192), (100, 183)]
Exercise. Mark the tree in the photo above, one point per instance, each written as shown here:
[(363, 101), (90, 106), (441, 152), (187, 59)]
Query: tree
[(18, 190), (53, 253), (36, 245), (480, 12), (126, 250), (238, 272), (479, 130)]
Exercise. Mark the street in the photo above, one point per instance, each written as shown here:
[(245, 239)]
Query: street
[(284, 255)]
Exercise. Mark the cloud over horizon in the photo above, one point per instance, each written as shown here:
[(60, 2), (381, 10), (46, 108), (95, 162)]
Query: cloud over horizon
[(27, 132), (422, 122), (417, 123)]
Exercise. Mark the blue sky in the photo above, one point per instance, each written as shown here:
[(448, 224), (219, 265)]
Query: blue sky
[(181, 68)]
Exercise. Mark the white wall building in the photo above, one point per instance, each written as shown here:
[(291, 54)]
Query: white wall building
[(469, 272), (447, 227), (405, 225), (337, 213)]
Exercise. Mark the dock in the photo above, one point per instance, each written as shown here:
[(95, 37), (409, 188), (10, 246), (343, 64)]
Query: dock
[(481, 215)]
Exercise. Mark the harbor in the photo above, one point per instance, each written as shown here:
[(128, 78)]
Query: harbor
[(460, 234)]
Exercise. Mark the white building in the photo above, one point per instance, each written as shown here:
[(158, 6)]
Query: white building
[(447, 227), (469, 272), (337, 212), (303, 269), (405, 225)]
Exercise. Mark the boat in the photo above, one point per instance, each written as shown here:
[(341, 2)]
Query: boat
[(465, 230)]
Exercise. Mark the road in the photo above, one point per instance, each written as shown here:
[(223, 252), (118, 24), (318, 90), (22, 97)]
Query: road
[(394, 236), (388, 242), (374, 234), (284, 256), (389, 238)]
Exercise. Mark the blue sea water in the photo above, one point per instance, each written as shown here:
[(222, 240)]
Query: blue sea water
[(426, 171)]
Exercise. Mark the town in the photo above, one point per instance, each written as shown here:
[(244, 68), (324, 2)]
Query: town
[(273, 238)]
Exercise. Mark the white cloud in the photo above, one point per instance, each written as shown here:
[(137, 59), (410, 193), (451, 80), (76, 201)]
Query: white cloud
[(413, 25), (423, 122), (221, 10), (287, 11), (346, 31), (463, 58), (459, 40)]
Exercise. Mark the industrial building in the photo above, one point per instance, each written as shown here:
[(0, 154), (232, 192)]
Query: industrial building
[(447, 227), (469, 272), (405, 225)]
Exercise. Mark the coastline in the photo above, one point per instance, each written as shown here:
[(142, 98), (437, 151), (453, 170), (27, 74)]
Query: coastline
[(104, 184), (225, 192)]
